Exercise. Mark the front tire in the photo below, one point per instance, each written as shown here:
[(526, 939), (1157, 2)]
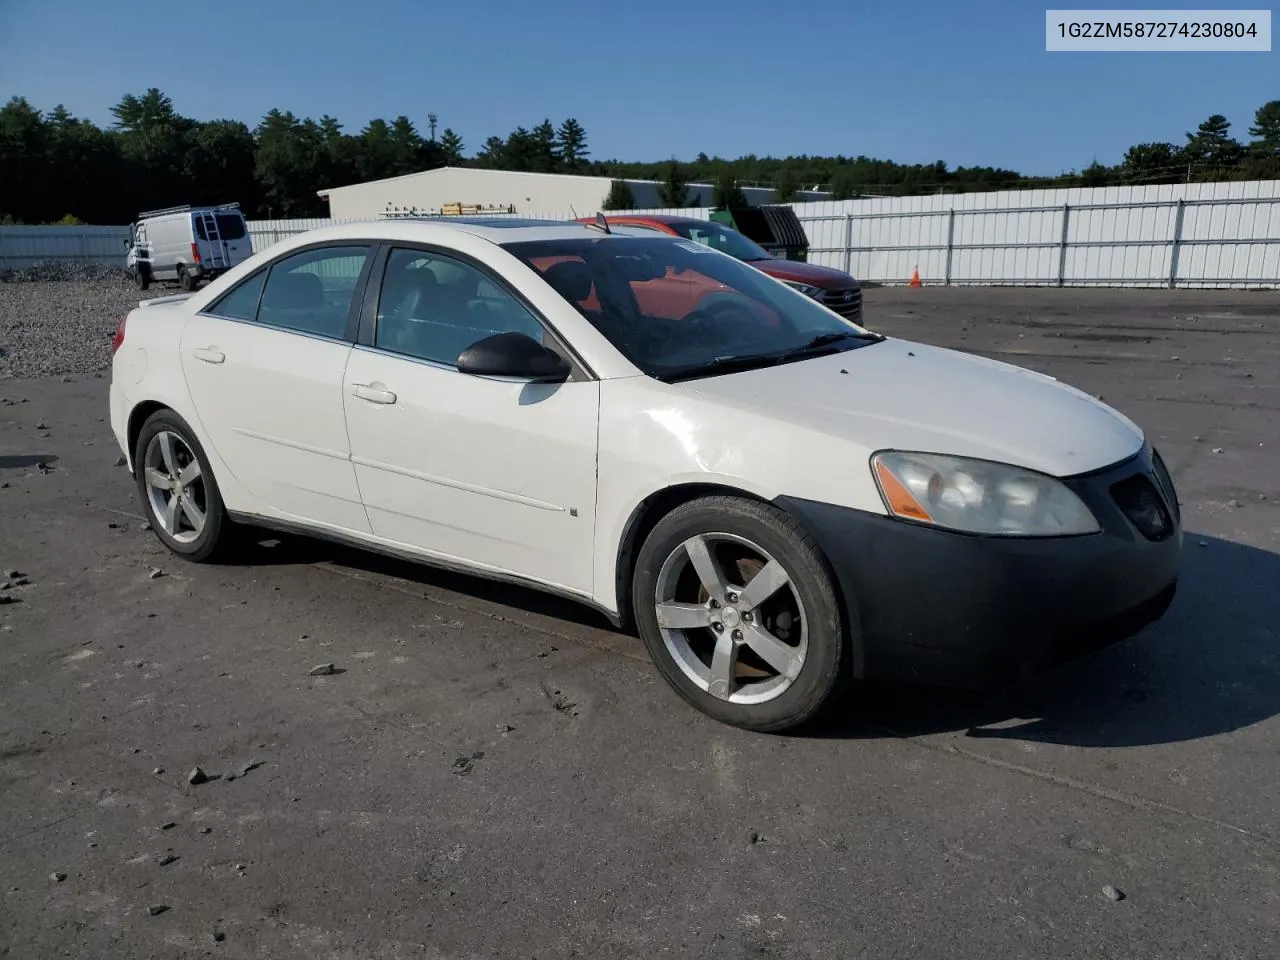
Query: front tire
[(739, 611), (178, 490)]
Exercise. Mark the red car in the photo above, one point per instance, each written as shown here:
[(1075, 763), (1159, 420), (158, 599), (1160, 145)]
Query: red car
[(834, 289)]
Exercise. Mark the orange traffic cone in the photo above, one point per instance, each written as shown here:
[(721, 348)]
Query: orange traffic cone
[(915, 278)]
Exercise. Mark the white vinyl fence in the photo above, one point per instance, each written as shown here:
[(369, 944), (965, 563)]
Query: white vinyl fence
[(1179, 235)]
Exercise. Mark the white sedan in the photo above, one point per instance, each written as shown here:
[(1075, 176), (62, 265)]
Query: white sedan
[(777, 500)]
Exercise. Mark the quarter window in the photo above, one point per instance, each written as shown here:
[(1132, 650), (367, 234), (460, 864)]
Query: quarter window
[(433, 307), (311, 292), (242, 302)]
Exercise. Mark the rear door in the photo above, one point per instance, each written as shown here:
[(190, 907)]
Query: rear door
[(237, 245), (264, 365)]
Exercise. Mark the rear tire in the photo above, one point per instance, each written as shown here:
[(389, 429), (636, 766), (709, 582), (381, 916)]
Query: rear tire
[(178, 490), (764, 648), (142, 277), (185, 280)]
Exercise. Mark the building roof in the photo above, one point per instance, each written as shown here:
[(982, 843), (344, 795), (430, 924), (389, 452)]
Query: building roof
[(487, 171), (498, 230)]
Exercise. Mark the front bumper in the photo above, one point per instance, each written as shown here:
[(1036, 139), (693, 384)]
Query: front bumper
[(932, 607)]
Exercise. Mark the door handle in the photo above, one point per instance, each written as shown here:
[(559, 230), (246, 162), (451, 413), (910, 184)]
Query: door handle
[(210, 355), (371, 393)]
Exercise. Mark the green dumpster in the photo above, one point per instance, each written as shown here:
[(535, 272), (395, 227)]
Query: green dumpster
[(774, 226)]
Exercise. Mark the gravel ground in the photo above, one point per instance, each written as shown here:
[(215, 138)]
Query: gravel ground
[(57, 319)]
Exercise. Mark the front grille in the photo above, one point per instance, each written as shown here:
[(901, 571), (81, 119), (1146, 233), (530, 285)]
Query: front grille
[(1142, 504), (836, 300)]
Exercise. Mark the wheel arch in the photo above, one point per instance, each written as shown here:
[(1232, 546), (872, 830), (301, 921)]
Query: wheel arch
[(658, 504), (137, 417), (644, 517)]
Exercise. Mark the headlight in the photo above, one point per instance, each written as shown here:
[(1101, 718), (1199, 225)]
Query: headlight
[(808, 289), (975, 496)]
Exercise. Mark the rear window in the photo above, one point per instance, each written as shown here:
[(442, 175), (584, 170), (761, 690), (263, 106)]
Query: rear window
[(230, 226)]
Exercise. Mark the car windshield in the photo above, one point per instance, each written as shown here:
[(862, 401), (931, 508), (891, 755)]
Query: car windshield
[(677, 309), (722, 238)]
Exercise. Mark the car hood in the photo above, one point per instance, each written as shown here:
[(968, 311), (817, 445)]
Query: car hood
[(909, 396), (826, 277)]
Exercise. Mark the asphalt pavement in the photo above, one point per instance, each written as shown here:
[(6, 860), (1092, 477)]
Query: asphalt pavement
[(492, 773)]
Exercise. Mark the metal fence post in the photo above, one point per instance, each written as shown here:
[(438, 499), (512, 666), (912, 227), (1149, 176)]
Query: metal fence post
[(1176, 246), (951, 233), (1062, 246), (848, 243)]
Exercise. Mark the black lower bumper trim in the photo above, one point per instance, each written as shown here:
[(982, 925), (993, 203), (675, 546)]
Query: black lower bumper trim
[(933, 607)]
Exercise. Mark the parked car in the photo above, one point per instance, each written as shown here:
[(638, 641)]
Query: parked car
[(776, 499), (187, 244), (833, 288)]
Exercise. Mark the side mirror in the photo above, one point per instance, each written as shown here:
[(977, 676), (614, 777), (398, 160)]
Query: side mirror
[(513, 355)]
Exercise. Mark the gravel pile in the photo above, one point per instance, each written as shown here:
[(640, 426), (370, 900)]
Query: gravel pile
[(58, 319), (64, 270)]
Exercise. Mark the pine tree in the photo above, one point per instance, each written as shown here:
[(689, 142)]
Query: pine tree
[(571, 140), (620, 196), (785, 185), (1211, 145), (673, 192), (727, 195), (1266, 128), (544, 152), (452, 146), (493, 154)]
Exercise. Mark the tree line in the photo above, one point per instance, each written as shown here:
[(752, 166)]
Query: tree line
[(55, 167)]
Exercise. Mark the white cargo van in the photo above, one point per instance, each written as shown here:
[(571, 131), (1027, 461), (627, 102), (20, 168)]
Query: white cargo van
[(187, 244)]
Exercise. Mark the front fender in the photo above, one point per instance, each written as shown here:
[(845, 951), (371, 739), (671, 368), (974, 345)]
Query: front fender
[(656, 437)]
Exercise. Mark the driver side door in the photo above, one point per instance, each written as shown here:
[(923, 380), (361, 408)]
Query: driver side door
[(495, 473)]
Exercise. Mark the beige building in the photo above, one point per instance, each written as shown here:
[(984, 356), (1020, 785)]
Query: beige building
[(470, 190)]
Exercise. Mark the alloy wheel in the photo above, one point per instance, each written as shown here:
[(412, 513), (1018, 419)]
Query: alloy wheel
[(731, 618), (175, 487)]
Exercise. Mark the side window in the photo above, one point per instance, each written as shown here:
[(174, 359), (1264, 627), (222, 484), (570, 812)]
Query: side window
[(433, 307), (311, 292), (242, 302)]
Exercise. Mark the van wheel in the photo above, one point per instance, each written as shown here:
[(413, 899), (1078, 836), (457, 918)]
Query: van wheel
[(142, 277), (739, 612), (185, 280)]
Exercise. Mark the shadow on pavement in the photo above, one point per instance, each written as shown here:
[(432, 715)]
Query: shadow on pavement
[(17, 462), (275, 549), (1211, 665)]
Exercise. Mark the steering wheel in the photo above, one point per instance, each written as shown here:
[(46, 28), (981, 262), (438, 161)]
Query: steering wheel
[(713, 311)]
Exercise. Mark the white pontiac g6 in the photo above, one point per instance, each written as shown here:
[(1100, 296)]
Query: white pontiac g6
[(777, 500)]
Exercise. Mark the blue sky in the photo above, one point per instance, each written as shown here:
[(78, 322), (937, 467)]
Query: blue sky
[(964, 82)]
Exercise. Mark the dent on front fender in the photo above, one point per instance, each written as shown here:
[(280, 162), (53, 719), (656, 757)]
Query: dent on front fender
[(655, 438)]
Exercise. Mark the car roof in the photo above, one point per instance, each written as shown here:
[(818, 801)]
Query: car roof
[(498, 230), (667, 218)]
